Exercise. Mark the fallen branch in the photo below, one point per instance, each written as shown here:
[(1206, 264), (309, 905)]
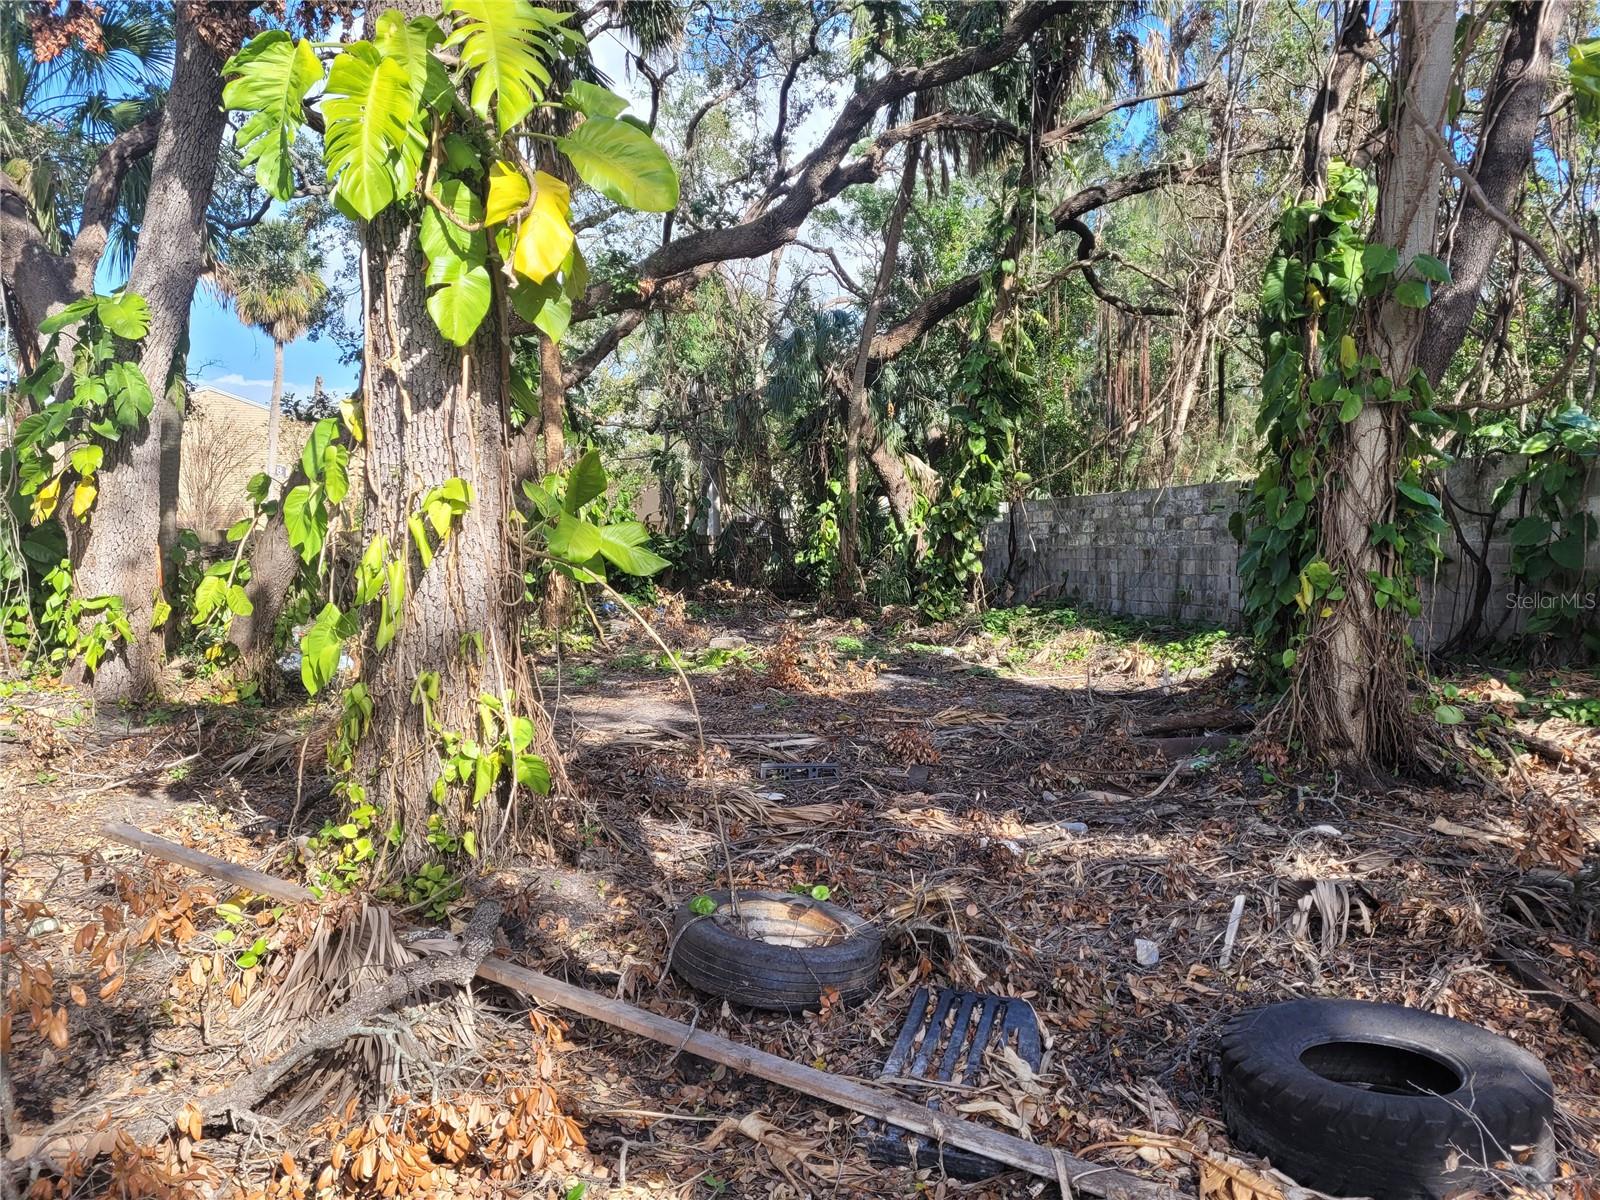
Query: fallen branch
[(1211, 718), (351, 1018), (1085, 1177), (1182, 747)]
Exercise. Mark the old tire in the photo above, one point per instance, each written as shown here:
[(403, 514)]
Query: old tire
[(1378, 1100), (790, 951)]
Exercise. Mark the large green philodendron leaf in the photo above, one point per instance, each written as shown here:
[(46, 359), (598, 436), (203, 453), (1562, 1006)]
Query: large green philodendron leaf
[(509, 45), (270, 78), (410, 44), (369, 110), (456, 263), (585, 481), (1583, 73), (626, 544), (621, 162)]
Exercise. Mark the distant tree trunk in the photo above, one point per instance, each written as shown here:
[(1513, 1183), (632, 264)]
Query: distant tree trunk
[(557, 601), (1193, 356), (274, 417), (1352, 675), (860, 428), (1505, 149), (120, 552), (274, 563)]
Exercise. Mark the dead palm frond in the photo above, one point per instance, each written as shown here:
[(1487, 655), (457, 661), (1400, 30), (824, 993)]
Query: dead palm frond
[(354, 949)]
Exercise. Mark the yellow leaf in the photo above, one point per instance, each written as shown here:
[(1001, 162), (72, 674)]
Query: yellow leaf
[(46, 499), (1348, 354), (544, 237), (508, 192), (350, 413), (82, 499)]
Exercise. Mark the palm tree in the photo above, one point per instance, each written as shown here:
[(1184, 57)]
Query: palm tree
[(271, 275), (70, 81)]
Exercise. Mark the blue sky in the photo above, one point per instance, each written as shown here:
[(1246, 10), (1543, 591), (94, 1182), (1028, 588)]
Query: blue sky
[(238, 359)]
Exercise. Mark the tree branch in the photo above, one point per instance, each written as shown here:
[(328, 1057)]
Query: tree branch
[(818, 177), (1505, 148), (100, 196), (1063, 134)]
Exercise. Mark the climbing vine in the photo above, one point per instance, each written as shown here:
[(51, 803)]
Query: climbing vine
[(1317, 294), (86, 396), (991, 388)]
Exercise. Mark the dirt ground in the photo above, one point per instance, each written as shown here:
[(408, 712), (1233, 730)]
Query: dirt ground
[(995, 811)]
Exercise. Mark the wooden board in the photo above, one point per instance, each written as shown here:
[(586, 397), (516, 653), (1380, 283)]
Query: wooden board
[(1580, 1014), (1086, 1177)]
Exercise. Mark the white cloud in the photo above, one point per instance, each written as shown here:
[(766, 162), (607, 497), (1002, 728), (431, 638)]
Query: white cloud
[(259, 390)]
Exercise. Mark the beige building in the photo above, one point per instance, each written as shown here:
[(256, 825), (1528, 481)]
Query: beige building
[(224, 444)]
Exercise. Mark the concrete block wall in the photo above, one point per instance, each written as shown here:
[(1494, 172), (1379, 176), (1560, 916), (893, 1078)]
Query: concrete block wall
[(1167, 553)]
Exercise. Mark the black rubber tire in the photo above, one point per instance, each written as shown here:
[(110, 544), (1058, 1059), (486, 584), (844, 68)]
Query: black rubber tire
[(1351, 1140), (715, 959)]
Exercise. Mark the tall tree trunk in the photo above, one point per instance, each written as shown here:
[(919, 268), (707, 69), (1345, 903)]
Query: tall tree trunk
[(274, 418), (860, 428), (435, 412), (1353, 672), (173, 400), (1505, 148), (120, 554)]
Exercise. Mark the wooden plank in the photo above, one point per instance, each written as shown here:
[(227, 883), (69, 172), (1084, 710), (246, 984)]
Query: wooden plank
[(1084, 1176), (847, 1093), (207, 864), (1580, 1014)]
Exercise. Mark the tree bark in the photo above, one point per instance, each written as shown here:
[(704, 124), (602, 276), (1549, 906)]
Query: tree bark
[(1505, 149), (435, 412), (120, 553), (1355, 49), (553, 437), (170, 484), (1352, 675)]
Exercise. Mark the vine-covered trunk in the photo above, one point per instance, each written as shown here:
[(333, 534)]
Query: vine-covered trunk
[(119, 551), (433, 413), (1353, 676)]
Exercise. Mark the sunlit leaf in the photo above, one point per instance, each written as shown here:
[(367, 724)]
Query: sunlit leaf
[(508, 46), (369, 110), (544, 236), (508, 192), (270, 77), (622, 163)]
